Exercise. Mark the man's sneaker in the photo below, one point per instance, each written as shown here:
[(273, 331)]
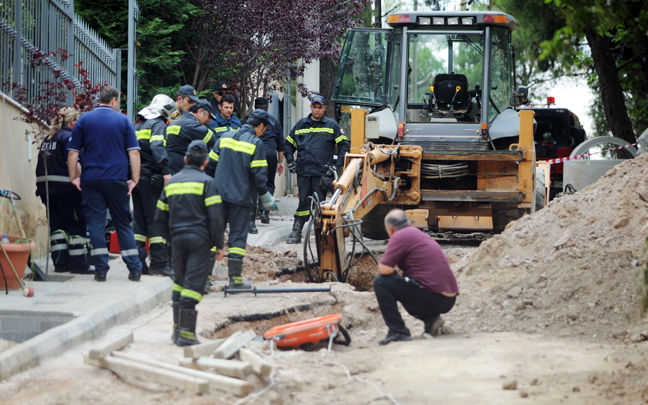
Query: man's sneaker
[(433, 325), (89, 270), (134, 277), (394, 337)]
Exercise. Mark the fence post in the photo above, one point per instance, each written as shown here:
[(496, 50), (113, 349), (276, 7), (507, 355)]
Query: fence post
[(18, 46), (130, 69), (70, 46)]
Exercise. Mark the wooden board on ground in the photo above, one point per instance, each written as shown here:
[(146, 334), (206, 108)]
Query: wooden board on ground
[(260, 366), (233, 344), (203, 349), (116, 343), (237, 387), (149, 373), (230, 368)]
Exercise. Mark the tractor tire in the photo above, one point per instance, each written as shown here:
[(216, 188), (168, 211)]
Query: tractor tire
[(540, 190), (373, 224)]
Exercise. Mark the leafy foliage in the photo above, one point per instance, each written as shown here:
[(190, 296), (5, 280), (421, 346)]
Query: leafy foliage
[(53, 94)]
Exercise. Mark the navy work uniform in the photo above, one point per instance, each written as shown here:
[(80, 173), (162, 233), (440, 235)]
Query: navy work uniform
[(223, 125), (315, 143), (67, 224), (190, 214), (179, 135), (150, 131), (240, 170)]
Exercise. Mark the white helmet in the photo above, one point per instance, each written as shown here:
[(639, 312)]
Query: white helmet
[(163, 104)]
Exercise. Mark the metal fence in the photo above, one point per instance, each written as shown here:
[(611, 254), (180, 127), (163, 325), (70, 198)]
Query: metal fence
[(27, 26)]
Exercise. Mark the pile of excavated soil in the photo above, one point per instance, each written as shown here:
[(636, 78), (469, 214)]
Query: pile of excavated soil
[(573, 268), (262, 264)]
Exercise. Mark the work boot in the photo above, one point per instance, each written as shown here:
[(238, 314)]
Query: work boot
[(394, 337), (187, 333), (235, 268), (253, 229), (176, 317), (165, 270), (295, 235), (264, 216), (212, 263), (433, 325)]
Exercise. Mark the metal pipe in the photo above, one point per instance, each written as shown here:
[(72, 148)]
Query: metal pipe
[(256, 291)]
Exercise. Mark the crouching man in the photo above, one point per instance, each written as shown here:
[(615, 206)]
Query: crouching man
[(426, 289), (190, 215)]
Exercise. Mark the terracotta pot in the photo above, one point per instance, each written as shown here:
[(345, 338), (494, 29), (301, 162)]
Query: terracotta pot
[(18, 254)]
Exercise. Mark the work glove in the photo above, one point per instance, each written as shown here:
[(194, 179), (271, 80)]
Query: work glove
[(268, 202), (292, 167), (157, 181)]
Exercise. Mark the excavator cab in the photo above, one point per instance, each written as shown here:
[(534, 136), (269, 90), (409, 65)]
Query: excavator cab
[(429, 104)]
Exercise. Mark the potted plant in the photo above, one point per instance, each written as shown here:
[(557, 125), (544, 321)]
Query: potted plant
[(17, 252)]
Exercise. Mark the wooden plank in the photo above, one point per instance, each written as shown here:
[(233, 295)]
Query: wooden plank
[(259, 365), (116, 343), (230, 368), (233, 344), (219, 382), (148, 373), (203, 349)]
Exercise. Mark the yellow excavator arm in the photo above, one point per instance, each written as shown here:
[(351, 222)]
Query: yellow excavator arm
[(373, 174)]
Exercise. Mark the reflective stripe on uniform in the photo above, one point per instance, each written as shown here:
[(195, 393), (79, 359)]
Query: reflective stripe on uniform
[(162, 206), (143, 134), (140, 238), (130, 252), (340, 139), (158, 138), (208, 136), (236, 251), (213, 155), (191, 294), (173, 129), (177, 288), (237, 146), (221, 129), (60, 246), (60, 179), (77, 240), (58, 235), (189, 187), (157, 239), (302, 213), (76, 252), (292, 141), (215, 199), (100, 251), (259, 163), (314, 130)]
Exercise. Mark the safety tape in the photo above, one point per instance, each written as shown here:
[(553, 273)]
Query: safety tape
[(567, 159)]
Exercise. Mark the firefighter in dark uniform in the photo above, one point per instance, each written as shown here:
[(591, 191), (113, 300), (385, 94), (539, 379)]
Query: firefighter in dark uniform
[(154, 173), (273, 141), (185, 129), (238, 165), (190, 215), (314, 138), (225, 119), (66, 222)]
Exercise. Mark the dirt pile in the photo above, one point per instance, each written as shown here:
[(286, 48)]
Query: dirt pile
[(573, 268)]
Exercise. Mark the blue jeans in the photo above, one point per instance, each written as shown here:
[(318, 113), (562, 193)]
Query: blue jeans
[(99, 196)]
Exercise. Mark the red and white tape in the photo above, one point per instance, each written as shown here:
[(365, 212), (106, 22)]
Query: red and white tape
[(566, 159)]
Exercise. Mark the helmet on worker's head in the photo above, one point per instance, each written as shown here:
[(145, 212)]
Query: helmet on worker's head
[(164, 104)]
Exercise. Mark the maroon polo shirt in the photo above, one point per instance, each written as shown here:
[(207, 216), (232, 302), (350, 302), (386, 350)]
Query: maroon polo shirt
[(420, 257)]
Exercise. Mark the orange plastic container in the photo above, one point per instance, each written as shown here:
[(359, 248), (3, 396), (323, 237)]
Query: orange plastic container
[(19, 256), (293, 335)]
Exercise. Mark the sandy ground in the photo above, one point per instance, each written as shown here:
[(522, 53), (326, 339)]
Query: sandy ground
[(551, 307)]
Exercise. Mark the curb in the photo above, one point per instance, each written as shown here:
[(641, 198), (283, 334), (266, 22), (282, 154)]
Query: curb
[(56, 340), (274, 236)]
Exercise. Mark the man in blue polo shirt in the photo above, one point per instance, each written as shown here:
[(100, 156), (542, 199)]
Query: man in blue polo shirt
[(108, 141)]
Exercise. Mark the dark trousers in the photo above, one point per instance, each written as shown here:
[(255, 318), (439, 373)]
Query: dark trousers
[(67, 230), (190, 264), (112, 195), (238, 217), (418, 302), (307, 186), (145, 198), (271, 158)]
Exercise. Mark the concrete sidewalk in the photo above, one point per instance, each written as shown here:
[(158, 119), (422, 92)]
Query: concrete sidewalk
[(76, 308)]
